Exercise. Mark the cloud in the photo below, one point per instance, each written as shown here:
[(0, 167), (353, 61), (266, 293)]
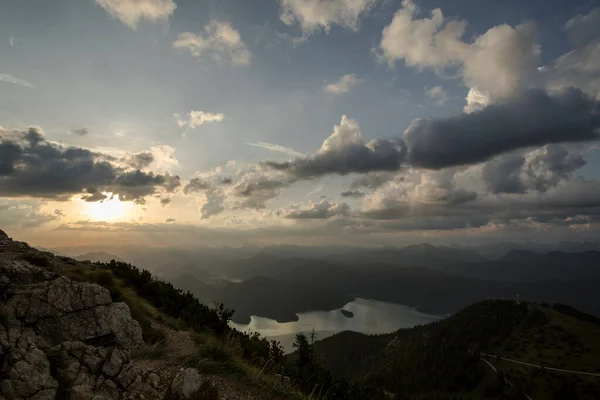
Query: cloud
[(373, 180), (220, 40), (170, 220), (313, 15), (582, 29), (31, 166), (502, 175), (256, 186), (25, 216), (139, 160), (321, 210), (213, 204), (130, 12), (496, 64), (343, 85), (534, 118), (545, 168), (80, 131), (277, 148), (438, 94), (196, 185), (579, 67), (426, 42), (165, 201), (345, 152), (538, 170), (459, 199), (318, 189), (11, 79), (353, 193), (12, 40), (196, 118)]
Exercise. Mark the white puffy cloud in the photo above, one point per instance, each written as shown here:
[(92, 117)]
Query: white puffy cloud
[(426, 42), (496, 64), (130, 12), (343, 85), (503, 61), (437, 94), (220, 40), (313, 15)]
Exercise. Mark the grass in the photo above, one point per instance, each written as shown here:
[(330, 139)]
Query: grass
[(150, 351), (224, 357)]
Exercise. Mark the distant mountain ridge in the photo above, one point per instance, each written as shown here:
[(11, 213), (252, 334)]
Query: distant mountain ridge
[(99, 256)]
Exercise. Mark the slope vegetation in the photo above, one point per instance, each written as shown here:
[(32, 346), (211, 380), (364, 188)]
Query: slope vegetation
[(444, 359)]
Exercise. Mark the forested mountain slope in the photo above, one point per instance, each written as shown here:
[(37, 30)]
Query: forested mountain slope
[(445, 358)]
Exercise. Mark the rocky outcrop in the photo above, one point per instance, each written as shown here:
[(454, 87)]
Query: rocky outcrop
[(45, 322)]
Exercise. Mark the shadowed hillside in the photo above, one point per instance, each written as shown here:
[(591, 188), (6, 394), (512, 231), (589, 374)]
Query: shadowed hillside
[(445, 357)]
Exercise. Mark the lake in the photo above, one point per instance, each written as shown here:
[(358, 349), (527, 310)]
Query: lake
[(370, 316)]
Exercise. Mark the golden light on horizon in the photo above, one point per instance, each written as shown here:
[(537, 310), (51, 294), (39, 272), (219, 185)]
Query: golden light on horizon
[(111, 209)]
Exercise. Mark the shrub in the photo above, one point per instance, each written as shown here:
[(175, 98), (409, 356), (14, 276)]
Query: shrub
[(38, 259)]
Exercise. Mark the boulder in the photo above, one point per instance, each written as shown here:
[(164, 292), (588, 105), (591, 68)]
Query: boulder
[(186, 383)]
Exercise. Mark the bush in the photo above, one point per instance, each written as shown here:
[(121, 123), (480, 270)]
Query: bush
[(38, 259)]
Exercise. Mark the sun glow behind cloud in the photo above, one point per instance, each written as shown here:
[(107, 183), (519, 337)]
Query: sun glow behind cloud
[(110, 210)]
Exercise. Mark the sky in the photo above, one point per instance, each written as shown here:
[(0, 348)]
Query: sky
[(313, 122)]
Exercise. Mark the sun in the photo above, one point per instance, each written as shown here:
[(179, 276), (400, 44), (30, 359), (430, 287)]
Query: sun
[(111, 209)]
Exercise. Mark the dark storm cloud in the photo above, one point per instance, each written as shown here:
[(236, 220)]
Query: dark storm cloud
[(376, 155), (32, 166), (352, 193), (502, 175), (534, 118)]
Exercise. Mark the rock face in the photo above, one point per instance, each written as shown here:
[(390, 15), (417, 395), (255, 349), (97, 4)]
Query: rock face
[(46, 320)]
